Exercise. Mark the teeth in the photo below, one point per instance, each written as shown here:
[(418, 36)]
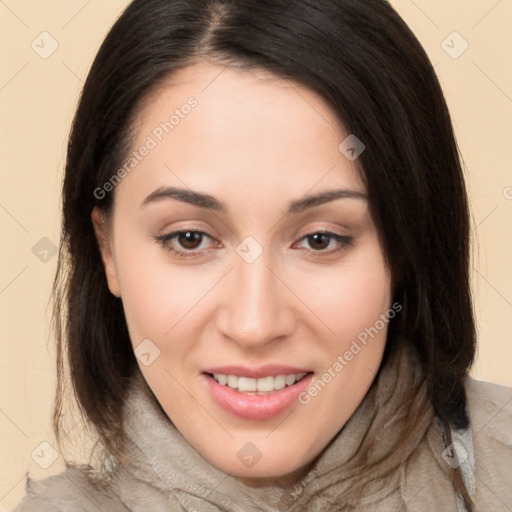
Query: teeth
[(221, 379), (261, 386), (245, 384), (279, 381), (290, 379), (233, 381), (265, 384)]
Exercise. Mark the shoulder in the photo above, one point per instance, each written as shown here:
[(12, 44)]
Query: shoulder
[(490, 414), (73, 490), (490, 409)]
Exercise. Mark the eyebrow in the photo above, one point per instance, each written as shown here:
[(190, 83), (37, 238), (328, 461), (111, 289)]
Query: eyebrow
[(211, 203)]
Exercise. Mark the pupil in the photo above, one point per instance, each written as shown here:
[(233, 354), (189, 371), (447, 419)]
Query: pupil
[(319, 241), (189, 239)]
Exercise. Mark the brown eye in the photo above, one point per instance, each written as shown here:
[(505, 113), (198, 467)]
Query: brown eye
[(324, 243), (319, 241), (190, 239), (187, 243)]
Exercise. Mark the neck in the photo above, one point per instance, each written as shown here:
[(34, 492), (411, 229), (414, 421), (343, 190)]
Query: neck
[(284, 481)]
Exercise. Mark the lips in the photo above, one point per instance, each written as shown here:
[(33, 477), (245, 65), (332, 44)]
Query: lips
[(267, 370), (259, 386), (256, 393)]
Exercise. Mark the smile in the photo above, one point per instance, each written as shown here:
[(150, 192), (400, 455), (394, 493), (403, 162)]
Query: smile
[(261, 386), (256, 394)]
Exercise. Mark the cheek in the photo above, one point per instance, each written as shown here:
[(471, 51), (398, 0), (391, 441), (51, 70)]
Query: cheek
[(353, 353), (156, 296), (351, 300)]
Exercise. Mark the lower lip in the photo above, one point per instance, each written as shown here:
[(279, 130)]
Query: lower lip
[(256, 407)]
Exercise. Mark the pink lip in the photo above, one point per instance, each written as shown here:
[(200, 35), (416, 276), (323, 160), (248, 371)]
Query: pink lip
[(266, 370), (256, 407)]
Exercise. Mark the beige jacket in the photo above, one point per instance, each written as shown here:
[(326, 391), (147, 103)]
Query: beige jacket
[(171, 476)]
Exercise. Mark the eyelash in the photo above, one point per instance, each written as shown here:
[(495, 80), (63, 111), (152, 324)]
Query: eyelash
[(344, 242)]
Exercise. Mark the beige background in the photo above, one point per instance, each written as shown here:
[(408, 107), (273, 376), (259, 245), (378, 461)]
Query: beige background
[(37, 100)]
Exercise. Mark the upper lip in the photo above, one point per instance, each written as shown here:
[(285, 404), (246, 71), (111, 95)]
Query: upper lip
[(266, 370)]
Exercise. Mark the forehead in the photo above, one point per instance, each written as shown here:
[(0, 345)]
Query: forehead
[(245, 127)]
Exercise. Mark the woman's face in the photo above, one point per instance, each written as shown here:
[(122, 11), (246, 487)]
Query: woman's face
[(249, 267)]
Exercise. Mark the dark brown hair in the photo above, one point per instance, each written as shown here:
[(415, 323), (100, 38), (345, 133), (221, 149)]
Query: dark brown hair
[(365, 62)]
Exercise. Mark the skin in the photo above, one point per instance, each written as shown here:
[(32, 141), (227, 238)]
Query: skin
[(256, 144)]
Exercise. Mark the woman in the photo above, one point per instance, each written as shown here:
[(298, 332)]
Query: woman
[(263, 292)]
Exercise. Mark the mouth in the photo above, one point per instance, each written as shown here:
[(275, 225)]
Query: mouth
[(261, 386), (259, 394)]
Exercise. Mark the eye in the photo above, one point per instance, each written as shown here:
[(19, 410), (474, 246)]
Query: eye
[(325, 242), (186, 243), (189, 243)]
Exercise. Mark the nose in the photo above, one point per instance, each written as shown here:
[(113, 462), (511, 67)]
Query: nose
[(257, 308)]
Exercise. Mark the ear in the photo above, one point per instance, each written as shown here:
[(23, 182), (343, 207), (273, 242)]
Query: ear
[(101, 229)]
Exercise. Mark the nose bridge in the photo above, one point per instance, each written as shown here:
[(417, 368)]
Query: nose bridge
[(256, 310)]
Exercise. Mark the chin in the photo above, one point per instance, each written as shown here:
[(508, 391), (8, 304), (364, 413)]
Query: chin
[(259, 460)]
